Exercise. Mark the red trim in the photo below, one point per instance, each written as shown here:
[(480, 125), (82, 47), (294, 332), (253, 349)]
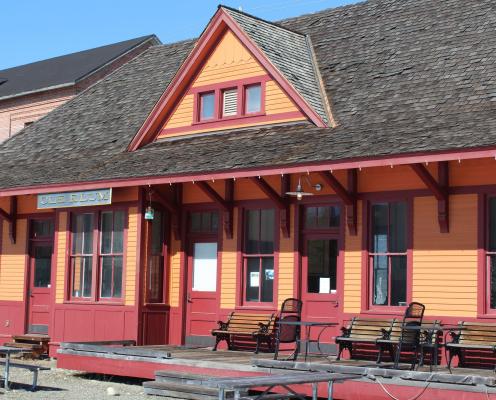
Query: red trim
[(218, 25), (367, 289), (259, 171), (227, 122)]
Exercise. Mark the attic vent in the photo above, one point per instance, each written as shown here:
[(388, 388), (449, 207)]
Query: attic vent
[(230, 102)]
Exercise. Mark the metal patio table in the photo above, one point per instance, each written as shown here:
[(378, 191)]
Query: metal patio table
[(7, 351), (308, 325)]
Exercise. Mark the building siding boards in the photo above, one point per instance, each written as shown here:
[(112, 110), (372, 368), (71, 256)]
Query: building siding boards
[(445, 265), (228, 267), (286, 267), (61, 248), (131, 256), (353, 267), (13, 263)]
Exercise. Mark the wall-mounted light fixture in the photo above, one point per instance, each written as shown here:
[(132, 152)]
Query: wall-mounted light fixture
[(149, 212), (300, 193)]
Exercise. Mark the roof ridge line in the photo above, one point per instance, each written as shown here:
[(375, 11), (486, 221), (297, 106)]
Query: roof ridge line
[(275, 24)]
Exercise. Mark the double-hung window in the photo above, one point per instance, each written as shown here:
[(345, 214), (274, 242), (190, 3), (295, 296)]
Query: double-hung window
[(258, 255), (97, 255), (388, 253)]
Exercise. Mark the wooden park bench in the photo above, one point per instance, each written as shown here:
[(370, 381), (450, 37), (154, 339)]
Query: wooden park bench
[(259, 327), (470, 336), (33, 368), (363, 331)]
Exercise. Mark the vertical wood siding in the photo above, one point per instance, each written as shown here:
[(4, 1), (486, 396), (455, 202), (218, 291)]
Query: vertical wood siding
[(287, 263), (61, 252), (445, 265), (353, 267), (131, 256), (13, 263), (228, 267)]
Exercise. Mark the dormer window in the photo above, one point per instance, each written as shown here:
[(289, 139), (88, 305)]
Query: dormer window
[(253, 98), (219, 103), (207, 106)]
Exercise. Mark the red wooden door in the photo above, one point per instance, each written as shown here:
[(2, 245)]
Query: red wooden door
[(40, 287), (203, 291), (321, 281)]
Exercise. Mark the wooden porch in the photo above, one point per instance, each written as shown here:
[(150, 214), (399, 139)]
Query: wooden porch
[(190, 363)]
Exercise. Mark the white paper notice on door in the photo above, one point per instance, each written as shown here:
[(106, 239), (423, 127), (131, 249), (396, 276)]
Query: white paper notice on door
[(324, 285), (255, 279), (205, 267)]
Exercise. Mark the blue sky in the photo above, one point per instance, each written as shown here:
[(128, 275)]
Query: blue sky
[(32, 30)]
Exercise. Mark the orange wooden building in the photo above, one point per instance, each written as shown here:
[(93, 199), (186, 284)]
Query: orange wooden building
[(346, 158)]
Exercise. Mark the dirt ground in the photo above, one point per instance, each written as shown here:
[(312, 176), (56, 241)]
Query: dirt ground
[(69, 385)]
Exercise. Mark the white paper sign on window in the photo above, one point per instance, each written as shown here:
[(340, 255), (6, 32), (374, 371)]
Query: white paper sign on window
[(205, 267), (255, 279), (324, 285)]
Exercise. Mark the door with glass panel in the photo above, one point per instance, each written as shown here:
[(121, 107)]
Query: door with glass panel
[(40, 275), (203, 292), (321, 279)]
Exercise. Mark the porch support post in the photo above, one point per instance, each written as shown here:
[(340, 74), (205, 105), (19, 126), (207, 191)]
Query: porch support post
[(228, 215), (440, 190), (11, 218), (225, 205), (280, 202), (347, 196)]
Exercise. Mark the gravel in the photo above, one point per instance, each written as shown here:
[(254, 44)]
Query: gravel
[(70, 385)]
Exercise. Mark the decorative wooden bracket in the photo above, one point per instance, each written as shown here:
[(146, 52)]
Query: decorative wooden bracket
[(347, 196), (11, 218), (281, 203), (226, 205), (439, 189)]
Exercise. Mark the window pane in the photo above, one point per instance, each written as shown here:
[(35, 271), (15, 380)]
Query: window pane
[(119, 220), (205, 267), (252, 279), (196, 219), (398, 280), (379, 228), (335, 217), (252, 231), (492, 224), (323, 216), (322, 263), (311, 217), (492, 273), (380, 279), (397, 227), (41, 228), (215, 222), (82, 242), (267, 279), (42, 266), (205, 221), (267, 232), (106, 233), (81, 276), (253, 98), (207, 101), (156, 279), (106, 289), (157, 233), (117, 284)]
